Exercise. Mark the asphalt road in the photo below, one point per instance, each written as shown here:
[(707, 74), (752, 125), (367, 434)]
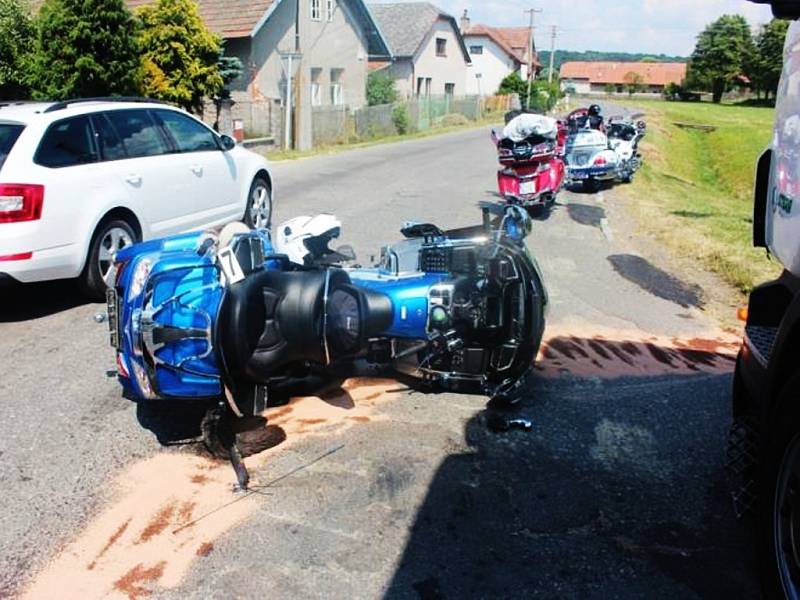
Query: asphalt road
[(619, 490)]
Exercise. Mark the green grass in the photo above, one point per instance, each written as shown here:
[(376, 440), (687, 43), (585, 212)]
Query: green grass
[(695, 191)]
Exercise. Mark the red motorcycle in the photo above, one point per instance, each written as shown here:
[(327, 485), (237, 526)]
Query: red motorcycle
[(531, 153)]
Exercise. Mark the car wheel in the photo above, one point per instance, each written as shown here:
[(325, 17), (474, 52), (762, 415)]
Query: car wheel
[(778, 541), (258, 214), (109, 238)]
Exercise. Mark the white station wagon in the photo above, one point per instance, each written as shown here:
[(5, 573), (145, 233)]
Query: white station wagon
[(80, 180)]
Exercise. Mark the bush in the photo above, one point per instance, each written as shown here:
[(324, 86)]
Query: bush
[(453, 120), (380, 89), (400, 119)]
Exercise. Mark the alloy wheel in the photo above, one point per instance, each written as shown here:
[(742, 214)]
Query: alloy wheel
[(114, 240), (260, 205)]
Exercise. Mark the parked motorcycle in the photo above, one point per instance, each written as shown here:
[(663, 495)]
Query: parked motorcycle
[(589, 158), (229, 321), (623, 138), (530, 151)]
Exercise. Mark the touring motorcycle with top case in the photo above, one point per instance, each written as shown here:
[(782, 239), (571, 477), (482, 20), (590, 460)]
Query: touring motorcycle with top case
[(589, 158), (238, 323), (530, 151), (623, 138)]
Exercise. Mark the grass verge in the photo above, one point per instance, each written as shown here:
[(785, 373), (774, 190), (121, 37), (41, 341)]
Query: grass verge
[(694, 191)]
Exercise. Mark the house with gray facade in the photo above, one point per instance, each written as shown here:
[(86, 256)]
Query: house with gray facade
[(322, 46), (428, 55)]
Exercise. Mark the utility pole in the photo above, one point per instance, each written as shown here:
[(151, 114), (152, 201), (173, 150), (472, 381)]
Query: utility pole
[(532, 12), (552, 52)]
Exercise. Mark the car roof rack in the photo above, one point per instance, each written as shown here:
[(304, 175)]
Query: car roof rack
[(5, 103), (66, 103)]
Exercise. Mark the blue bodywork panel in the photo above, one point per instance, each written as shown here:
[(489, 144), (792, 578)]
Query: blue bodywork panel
[(167, 319), (409, 296)]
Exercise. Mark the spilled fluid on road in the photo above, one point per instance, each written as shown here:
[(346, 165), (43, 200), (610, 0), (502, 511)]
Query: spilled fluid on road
[(591, 351), (169, 511)]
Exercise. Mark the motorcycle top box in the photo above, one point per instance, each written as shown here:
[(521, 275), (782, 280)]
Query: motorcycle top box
[(196, 318)]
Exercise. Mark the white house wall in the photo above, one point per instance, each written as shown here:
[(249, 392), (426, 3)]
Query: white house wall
[(451, 68), (492, 66)]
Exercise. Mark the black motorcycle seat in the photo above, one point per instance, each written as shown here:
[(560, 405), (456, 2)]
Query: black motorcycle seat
[(273, 318)]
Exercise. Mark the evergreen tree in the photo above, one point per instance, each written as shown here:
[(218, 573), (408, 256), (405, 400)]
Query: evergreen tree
[(179, 55), (83, 48), (16, 39), (721, 55)]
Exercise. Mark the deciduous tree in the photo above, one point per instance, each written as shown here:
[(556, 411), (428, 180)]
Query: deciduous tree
[(769, 61), (179, 54), (721, 54), (83, 48)]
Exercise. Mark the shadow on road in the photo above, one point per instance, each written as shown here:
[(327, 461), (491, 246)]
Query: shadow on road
[(619, 491), (24, 302)]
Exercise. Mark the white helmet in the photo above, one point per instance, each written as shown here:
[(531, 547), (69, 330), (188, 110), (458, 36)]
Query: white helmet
[(304, 239)]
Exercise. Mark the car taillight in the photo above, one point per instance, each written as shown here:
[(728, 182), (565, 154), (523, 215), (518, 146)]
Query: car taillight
[(19, 256), (20, 202), (600, 161)]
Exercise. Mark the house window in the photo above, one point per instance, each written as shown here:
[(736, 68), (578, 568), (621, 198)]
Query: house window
[(420, 81), (476, 49), (329, 6), (337, 93), (316, 10), (428, 86), (449, 89), (316, 89), (441, 47)]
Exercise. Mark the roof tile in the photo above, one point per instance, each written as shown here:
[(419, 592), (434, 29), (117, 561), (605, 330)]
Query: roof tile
[(617, 72)]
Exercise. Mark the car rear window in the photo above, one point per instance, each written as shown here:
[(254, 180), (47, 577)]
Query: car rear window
[(9, 132), (67, 143)]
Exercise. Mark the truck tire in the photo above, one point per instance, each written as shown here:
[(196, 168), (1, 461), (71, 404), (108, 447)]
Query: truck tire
[(778, 509)]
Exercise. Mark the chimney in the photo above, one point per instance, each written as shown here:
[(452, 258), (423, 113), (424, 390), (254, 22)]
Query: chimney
[(464, 22)]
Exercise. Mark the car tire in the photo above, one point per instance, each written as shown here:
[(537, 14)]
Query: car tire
[(258, 212), (779, 492), (110, 236)]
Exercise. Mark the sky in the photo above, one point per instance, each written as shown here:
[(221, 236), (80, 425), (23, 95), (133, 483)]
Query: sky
[(648, 26)]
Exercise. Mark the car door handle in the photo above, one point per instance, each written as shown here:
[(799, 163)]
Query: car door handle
[(197, 169), (134, 179)]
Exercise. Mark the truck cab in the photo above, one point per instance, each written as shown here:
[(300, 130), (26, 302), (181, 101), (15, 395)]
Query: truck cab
[(764, 442)]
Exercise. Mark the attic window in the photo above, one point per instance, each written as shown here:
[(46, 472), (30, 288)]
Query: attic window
[(329, 7), (441, 47), (316, 10), (476, 49)]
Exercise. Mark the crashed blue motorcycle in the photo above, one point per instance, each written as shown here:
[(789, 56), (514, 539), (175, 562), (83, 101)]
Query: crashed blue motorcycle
[(241, 322)]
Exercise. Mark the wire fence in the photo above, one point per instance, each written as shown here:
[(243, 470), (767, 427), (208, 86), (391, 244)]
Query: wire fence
[(335, 125)]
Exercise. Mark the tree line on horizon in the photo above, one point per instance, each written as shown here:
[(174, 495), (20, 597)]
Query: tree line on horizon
[(563, 56), (95, 48)]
